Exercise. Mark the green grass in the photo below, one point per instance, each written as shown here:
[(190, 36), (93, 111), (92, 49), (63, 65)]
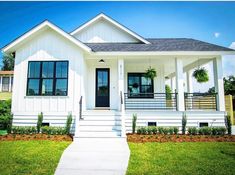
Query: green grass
[(30, 157), (3, 132), (5, 95), (182, 158)]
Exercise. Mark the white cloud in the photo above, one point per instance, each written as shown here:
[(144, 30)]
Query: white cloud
[(217, 34)]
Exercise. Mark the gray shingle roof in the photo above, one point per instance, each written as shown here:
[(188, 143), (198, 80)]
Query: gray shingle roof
[(161, 44)]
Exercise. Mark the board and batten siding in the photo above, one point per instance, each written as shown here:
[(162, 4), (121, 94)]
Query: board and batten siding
[(174, 118), (46, 46), (103, 31)]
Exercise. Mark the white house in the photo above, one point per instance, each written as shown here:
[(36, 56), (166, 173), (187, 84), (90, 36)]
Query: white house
[(97, 72), (6, 81)]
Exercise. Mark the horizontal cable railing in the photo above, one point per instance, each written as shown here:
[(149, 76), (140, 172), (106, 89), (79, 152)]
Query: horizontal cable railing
[(200, 101), (150, 101)]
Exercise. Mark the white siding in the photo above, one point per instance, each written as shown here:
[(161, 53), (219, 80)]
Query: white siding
[(174, 118), (47, 45), (104, 31)]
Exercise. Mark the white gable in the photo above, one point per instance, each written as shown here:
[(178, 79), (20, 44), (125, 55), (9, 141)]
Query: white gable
[(103, 29)]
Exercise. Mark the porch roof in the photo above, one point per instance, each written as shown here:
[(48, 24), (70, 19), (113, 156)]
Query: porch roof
[(158, 44)]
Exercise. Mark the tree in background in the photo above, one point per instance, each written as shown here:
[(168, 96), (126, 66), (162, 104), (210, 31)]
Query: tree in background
[(8, 62), (229, 86)]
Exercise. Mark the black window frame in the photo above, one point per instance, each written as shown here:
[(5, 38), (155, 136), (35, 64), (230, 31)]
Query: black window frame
[(203, 124), (41, 78), (142, 95)]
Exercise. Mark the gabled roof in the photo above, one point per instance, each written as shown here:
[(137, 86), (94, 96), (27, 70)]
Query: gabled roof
[(38, 28), (112, 21), (160, 44)]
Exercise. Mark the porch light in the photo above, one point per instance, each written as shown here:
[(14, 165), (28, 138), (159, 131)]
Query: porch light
[(101, 61)]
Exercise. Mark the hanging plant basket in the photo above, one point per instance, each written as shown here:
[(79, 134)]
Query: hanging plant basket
[(151, 73), (201, 75)]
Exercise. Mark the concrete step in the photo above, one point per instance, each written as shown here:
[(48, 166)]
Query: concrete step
[(101, 112), (85, 134), (95, 118), (100, 123), (100, 128)]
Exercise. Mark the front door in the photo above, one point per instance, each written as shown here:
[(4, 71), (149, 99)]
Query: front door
[(102, 87)]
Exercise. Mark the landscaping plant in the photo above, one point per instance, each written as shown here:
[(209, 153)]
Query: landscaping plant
[(192, 130), (39, 122), (160, 130), (68, 123), (228, 124), (5, 115), (201, 75), (134, 119), (171, 130), (184, 123), (52, 130), (176, 130), (150, 73)]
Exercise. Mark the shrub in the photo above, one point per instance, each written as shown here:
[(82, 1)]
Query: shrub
[(134, 118), (192, 130), (68, 123), (171, 130), (160, 130), (221, 130), (39, 122), (176, 130), (214, 130), (165, 131), (149, 130), (141, 130), (24, 130), (205, 131), (6, 122), (154, 129), (52, 130), (184, 123), (228, 124)]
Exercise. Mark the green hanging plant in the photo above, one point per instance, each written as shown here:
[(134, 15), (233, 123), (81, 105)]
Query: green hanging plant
[(150, 73), (201, 75)]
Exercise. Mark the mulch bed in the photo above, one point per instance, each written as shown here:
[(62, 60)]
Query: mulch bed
[(13, 137), (136, 138)]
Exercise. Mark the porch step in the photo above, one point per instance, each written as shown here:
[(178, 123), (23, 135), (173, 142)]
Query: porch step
[(100, 123)]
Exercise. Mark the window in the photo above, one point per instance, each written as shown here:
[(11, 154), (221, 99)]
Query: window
[(47, 78), (152, 123), (139, 85), (203, 124), (5, 84)]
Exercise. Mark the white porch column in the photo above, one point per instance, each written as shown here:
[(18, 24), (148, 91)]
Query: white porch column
[(9, 84), (179, 84), (189, 82), (219, 84), (172, 84), (121, 95)]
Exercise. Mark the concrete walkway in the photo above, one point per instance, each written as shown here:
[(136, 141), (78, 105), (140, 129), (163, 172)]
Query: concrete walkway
[(95, 156)]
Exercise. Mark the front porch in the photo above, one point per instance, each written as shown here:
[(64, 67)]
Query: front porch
[(129, 89)]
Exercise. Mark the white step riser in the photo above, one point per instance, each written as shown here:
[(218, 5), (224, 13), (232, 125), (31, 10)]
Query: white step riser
[(101, 118), (100, 128), (99, 134), (100, 123)]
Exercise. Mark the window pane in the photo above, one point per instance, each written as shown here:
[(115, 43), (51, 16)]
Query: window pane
[(145, 81), (47, 87), (34, 70), (61, 87), (47, 69), (33, 87), (61, 69)]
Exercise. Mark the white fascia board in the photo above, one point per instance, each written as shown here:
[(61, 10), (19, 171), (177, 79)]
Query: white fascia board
[(112, 22), (39, 27), (176, 53)]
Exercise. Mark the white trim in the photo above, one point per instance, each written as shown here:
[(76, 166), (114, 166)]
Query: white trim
[(41, 26), (112, 22), (154, 53)]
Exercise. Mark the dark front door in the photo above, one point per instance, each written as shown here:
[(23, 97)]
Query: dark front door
[(102, 87)]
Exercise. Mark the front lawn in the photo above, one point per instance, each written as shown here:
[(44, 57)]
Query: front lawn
[(5, 95), (30, 157), (182, 158)]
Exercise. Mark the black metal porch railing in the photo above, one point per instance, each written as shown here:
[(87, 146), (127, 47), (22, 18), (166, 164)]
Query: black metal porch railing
[(150, 101), (200, 101), (80, 108)]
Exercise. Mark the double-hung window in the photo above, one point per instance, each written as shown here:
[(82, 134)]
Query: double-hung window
[(49, 78), (139, 85)]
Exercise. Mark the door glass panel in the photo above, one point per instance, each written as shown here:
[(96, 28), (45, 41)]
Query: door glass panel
[(102, 83)]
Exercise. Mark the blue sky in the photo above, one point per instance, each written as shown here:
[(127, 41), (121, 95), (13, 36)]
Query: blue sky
[(208, 21)]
